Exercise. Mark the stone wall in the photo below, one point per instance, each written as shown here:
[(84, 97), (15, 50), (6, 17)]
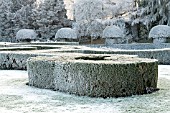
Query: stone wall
[(45, 17)]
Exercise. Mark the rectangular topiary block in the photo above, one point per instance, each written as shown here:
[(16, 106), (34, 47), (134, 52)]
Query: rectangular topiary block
[(41, 74), (94, 75)]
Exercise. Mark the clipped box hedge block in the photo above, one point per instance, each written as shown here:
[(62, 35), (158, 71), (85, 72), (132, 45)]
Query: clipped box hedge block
[(94, 75), (17, 60), (54, 43), (162, 55), (17, 48), (41, 74), (14, 60)]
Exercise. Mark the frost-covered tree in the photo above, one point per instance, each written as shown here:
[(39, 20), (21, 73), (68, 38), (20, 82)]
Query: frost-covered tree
[(88, 10), (148, 14), (5, 12), (152, 12), (85, 12), (90, 14), (18, 4), (69, 8), (48, 17), (44, 16), (13, 16), (100, 9)]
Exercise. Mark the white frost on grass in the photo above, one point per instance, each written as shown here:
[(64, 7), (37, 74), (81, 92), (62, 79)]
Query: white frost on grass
[(164, 71), (16, 97)]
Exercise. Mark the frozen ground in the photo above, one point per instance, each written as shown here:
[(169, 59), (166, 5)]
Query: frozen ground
[(16, 97)]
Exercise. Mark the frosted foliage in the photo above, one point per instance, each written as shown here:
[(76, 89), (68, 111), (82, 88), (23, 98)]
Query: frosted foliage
[(96, 28), (45, 16), (81, 28), (88, 10), (92, 16), (5, 5), (38, 2), (112, 32), (26, 34), (99, 9), (69, 8), (151, 11), (159, 40), (66, 33), (160, 31)]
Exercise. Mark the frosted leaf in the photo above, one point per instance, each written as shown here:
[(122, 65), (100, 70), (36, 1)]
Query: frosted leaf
[(154, 18), (136, 21), (96, 28), (26, 34), (160, 31), (161, 11), (112, 32), (66, 33), (159, 2), (88, 10), (142, 11), (168, 4)]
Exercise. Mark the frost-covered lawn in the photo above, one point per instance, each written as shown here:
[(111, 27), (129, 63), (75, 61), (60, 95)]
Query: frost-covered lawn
[(16, 97)]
